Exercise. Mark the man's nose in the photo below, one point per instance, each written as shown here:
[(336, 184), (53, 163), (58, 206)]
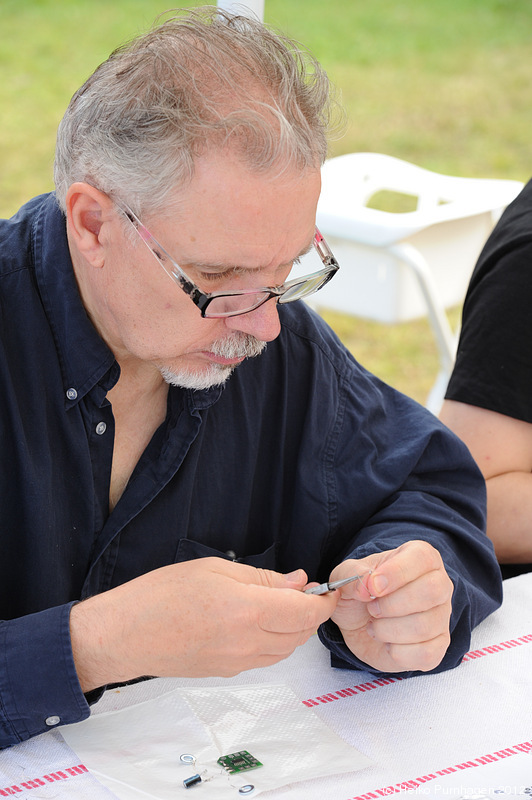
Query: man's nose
[(263, 323)]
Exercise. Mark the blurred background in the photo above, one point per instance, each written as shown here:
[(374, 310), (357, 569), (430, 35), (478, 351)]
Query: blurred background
[(445, 84)]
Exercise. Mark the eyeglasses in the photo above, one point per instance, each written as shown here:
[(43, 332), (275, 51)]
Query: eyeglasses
[(231, 304)]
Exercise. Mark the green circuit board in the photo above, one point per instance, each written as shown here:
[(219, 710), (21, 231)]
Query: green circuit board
[(239, 762)]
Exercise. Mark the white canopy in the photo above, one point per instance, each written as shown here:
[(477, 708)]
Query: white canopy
[(256, 7)]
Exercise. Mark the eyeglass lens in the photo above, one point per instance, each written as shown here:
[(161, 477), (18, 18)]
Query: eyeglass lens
[(305, 279)]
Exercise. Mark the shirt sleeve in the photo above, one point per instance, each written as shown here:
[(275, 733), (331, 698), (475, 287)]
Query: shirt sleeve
[(493, 368), (417, 481), (39, 688)]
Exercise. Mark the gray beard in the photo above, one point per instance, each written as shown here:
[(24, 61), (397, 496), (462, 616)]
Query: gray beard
[(237, 345)]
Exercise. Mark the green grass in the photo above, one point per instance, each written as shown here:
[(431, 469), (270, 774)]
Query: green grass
[(442, 83)]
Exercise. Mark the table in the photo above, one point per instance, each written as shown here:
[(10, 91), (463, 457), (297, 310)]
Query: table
[(464, 733)]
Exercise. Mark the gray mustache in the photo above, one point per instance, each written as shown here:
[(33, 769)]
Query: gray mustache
[(238, 345)]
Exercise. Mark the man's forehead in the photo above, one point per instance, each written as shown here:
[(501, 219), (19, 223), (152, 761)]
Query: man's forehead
[(231, 215), (221, 265), (222, 171)]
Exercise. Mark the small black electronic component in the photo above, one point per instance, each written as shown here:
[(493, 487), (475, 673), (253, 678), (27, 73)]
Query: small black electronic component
[(192, 781), (239, 762)]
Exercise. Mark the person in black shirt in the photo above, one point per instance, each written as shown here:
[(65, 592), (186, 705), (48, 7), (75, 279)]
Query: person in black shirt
[(489, 397)]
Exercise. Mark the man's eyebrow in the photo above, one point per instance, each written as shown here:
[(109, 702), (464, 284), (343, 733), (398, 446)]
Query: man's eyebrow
[(221, 266)]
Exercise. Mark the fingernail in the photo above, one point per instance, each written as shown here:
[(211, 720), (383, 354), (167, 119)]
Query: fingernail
[(375, 609), (379, 583), (296, 576), (369, 630)]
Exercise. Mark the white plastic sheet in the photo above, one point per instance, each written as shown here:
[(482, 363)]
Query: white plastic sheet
[(136, 752)]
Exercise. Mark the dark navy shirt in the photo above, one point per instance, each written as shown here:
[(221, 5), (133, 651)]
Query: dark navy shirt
[(303, 459)]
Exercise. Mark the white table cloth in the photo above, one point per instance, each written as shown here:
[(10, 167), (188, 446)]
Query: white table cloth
[(464, 733)]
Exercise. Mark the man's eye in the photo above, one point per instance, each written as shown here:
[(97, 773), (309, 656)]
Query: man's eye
[(212, 277), (220, 277)]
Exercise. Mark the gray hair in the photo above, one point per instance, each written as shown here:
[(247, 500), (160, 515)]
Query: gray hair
[(204, 78)]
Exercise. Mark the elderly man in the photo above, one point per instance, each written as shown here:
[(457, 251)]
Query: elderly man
[(183, 489)]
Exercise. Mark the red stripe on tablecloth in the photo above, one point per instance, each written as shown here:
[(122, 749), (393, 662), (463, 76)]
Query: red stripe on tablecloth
[(415, 783), (44, 780), (376, 683)]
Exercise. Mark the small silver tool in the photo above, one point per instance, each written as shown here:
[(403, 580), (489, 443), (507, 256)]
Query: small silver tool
[(324, 588)]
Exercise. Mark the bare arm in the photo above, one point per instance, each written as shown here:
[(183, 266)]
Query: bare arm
[(502, 448), (193, 619)]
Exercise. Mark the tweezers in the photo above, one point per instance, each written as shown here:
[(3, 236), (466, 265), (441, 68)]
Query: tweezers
[(324, 588)]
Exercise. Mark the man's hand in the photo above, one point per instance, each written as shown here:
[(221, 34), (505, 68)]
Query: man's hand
[(194, 619), (396, 618)]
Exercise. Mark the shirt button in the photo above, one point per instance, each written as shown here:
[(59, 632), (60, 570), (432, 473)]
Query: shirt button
[(51, 721), (231, 554), (71, 394), (101, 427)]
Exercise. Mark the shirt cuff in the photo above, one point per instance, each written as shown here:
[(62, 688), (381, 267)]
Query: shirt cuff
[(39, 687)]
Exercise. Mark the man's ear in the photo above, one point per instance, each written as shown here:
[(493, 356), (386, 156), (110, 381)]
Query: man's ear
[(87, 210)]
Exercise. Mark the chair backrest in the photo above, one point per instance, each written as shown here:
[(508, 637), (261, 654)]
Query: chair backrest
[(452, 219), (350, 181), (399, 265)]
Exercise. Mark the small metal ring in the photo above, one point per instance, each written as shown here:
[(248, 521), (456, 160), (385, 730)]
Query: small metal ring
[(187, 758), (247, 789)]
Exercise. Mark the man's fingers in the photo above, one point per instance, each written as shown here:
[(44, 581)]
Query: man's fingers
[(412, 629), (404, 625), (384, 573), (291, 611), (398, 657), (244, 573), (422, 656), (296, 612), (431, 590), (397, 568)]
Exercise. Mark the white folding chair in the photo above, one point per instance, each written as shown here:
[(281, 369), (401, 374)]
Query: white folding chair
[(397, 266)]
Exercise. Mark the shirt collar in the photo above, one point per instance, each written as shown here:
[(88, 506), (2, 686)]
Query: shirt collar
[(86, 360), (84, 357)]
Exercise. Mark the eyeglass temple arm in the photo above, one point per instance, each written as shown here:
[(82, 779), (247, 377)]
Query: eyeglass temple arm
[(324, 250)]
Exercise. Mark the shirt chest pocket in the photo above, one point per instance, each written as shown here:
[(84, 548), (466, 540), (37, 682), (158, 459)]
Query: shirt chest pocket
[(187, 550)]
